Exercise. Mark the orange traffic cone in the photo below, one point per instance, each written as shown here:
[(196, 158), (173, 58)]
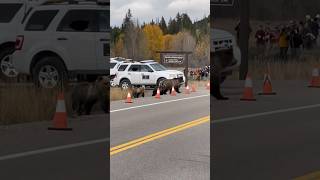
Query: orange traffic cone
[(208, 86), (267, 87), (129, 99), (248, 91), (193, 88), (173, 91), (158, 94), (315, 81), (60, 117), (187, 90)]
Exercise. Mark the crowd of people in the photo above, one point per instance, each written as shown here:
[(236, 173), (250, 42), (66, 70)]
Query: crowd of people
[(292, 37), (199, 74)]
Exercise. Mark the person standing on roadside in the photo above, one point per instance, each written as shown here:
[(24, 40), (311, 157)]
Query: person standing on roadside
[(295, 40), (268, 40), (260, 40), (284, 44)]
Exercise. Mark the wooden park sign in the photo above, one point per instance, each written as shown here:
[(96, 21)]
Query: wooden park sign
[(176, 59), (173, 59)]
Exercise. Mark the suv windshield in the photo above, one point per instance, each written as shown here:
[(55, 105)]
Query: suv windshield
[(8, 11), (158, 67)]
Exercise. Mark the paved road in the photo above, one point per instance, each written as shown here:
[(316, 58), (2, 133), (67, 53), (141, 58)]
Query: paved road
[(276, 137), (30, 151), (179, 151)]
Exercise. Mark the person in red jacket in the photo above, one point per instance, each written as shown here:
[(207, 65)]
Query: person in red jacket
[(260, 40)]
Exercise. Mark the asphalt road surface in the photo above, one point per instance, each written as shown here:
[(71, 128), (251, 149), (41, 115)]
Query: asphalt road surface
[(166, 139), (30, 151), (276, 137)]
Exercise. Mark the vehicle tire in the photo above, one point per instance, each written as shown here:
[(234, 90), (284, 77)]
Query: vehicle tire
[(7, 71), (49, 73), (125, 84), (112, 84), (159, 80)]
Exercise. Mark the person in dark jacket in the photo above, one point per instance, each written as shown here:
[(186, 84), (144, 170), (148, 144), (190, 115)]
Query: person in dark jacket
[(295, 40)]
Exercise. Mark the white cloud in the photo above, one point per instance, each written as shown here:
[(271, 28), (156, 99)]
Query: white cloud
[(191, 5), (146, 10)]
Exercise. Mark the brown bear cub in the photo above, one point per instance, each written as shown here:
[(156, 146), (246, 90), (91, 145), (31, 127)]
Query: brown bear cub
[(86, 95), (166, 85), (137, 92)]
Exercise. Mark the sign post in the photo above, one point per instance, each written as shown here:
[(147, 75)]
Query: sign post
[(244, 38), (176, 59), (244, 31)]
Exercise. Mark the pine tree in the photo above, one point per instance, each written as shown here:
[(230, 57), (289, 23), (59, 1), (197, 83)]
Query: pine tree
[(186, 22), (163, 25), (127, 21), (172, 27), (179, 24), (152, 22)]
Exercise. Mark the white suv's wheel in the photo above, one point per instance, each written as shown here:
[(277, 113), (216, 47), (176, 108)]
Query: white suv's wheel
[(113, 84), (48, 76), (7, 70), (49, 73), (125, 84), (7, 67)]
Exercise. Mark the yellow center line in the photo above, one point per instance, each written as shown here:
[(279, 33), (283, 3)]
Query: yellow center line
[(154, 136), (310, 176)]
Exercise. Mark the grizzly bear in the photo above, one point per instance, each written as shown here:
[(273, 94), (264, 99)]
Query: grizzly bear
[(86, 95), (166, 85), (136, 92)]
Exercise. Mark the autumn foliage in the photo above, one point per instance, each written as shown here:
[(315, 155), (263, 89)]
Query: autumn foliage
[(140, 42)]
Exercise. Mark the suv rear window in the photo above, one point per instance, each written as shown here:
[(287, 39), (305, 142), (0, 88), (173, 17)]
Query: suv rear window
[(122, 67), (40, 20), (8, 11)]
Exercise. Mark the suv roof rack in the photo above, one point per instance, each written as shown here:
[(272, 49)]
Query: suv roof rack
[(147, 61), (98, 2), (119, 58)]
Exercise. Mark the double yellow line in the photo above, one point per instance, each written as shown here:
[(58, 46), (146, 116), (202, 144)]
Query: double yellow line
[(152, 137)]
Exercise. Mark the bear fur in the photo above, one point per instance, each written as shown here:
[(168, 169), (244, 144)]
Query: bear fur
[(166, 85), (137, 92), (86, 95)]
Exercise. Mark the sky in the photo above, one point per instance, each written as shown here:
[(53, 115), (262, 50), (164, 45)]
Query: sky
[(146, 10)]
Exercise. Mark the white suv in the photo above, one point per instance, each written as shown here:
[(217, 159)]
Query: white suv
[(114, 65), (61, 41), (146, 73), (12, 13)]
